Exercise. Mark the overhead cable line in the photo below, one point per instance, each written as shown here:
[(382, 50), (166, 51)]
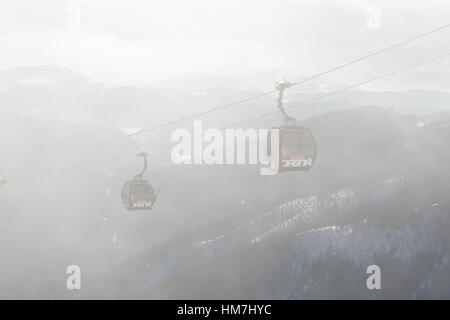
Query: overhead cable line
[(202, 113), (288, 107)]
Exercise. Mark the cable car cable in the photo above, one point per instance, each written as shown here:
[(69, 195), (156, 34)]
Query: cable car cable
[(320, 97), (288, 107), (106, 142)]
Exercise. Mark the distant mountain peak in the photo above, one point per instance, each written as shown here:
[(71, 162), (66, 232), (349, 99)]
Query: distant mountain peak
[(17, 74)]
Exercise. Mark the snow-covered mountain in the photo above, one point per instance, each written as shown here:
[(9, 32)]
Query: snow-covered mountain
[(315, 247), (385, 205)]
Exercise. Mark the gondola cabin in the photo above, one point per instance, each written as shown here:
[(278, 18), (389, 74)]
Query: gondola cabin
[(138, 194), (297, 148)]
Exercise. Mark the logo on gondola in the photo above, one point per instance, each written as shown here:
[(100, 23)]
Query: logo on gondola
[(142, 204), (297, 161)]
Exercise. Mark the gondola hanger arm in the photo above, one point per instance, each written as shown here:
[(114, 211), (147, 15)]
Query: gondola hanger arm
[(144, 155), (281, 86)]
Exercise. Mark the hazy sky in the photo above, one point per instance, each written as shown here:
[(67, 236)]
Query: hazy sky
[(141, 41)]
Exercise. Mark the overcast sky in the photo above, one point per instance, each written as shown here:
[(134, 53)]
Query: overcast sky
[(142, 41)]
